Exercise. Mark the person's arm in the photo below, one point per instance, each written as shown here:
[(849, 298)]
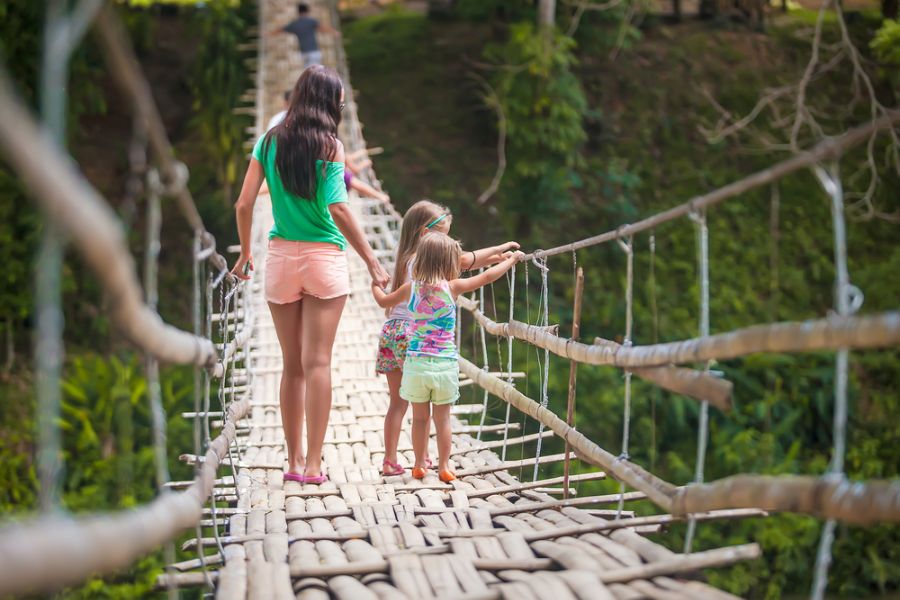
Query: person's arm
[(243, 209), (475, 259), (323, 28), (367, 191), (470, 284), (276, 30), (349, 226), (385, 300)]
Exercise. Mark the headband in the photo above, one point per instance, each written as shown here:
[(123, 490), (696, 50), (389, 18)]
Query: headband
[(436, 221)]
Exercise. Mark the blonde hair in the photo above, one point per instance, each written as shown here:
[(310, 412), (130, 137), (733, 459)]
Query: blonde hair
[(437, 259), (415, 220)]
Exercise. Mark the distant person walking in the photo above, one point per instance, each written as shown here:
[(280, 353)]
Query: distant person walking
[(305, 28)]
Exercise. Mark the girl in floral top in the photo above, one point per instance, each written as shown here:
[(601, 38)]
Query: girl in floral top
[(431, 373)]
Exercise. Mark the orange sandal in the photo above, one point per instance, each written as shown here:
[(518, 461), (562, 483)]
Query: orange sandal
[(447, 476), (419, 472)]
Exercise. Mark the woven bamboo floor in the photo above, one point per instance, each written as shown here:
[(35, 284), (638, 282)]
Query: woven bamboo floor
[(360, 535)]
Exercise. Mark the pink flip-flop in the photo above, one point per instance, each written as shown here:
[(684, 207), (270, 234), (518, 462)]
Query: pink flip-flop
[(313, 479), (390, 468), (293, 477)]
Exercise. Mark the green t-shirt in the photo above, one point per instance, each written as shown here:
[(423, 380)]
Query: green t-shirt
[(299, 219)]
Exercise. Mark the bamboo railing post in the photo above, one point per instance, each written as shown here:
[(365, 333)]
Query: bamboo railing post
[(573, 370)]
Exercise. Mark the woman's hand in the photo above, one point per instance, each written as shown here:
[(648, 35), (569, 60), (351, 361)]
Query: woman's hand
[(242, 267), (508, 246), (379, 276)]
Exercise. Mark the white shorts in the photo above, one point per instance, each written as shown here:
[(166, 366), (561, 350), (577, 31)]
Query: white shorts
[(311, 58)]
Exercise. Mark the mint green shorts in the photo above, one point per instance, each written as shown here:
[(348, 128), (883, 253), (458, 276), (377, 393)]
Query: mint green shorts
[(430, 379)]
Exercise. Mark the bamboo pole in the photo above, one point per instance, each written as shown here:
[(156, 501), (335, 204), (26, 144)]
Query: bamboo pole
[(699, 385), (830, 148), (860, 503), (874, 331), (573, 370), (657, 490), (49, 553), (126, 70), (79, 210)]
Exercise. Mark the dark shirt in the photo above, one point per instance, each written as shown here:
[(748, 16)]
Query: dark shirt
[(305, 30)]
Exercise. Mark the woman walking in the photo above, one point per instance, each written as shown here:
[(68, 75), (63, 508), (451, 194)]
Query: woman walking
[(307, 282)]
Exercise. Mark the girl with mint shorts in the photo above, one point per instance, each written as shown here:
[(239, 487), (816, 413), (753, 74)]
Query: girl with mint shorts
[(430, 372)]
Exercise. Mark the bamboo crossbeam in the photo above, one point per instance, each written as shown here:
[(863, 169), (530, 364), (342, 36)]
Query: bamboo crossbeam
[(686, 563), (874, 331), (699, 385), (126, 70), (830, 148), (657, 490), (514, 464), (520, 507), (78, 209), (860, 503), (49, 553)]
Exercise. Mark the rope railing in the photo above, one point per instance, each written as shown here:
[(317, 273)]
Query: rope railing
[(875, 331), (126, 70), (49, 553), (54, 549), (835, 498), (78, 209), (828, 149)]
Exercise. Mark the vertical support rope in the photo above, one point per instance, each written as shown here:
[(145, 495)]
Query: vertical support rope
[(48, 348), (541, 264), (654, 312), (573, 368), (847, 299), (703, 429), (484, 359), (196, 316), (151, 365), (628, 248), (212, 283), (509, 354)]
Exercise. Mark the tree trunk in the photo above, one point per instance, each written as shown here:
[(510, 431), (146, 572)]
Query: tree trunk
[(676, 10), (547, 13), (889, 9)]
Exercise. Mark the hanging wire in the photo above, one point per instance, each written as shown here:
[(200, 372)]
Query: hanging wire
[(541, 264), (699, 218), (848, 299), (627, 247), (509, 354), (151, 365), (198, 274), (484, 359), (655, 314), (523, 428), (214, 282)]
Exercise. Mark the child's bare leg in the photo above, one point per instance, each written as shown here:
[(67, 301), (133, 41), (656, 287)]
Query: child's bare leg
[(393, 420), (441, 416), (421, 415)]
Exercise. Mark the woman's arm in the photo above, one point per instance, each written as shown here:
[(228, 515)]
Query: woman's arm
[(385, 300), (462, 286), (349, 226), (475, 259), (244, 214)]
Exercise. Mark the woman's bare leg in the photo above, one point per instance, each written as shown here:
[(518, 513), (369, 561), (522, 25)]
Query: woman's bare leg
[(320, 322), (287, 319), (441, 415), (393, 419), (421, 416)]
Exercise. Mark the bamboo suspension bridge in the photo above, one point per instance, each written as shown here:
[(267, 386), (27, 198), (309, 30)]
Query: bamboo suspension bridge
[(361, 535)]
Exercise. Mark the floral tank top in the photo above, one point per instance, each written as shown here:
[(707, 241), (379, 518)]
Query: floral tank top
[(433, 313)]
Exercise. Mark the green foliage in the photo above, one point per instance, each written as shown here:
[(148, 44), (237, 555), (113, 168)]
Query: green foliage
[(886, 47), (544, 105), (219, 78)]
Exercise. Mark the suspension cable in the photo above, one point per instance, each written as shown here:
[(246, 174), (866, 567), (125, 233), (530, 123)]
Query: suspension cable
[(541, 264), (484, 359), (509, 354), (628, 248), (699, 218), (847, 299)]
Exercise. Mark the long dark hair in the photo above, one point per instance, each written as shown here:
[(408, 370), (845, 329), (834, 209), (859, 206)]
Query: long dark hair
[(308, 131)]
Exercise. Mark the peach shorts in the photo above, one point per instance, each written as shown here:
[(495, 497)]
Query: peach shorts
[(295, 269)]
